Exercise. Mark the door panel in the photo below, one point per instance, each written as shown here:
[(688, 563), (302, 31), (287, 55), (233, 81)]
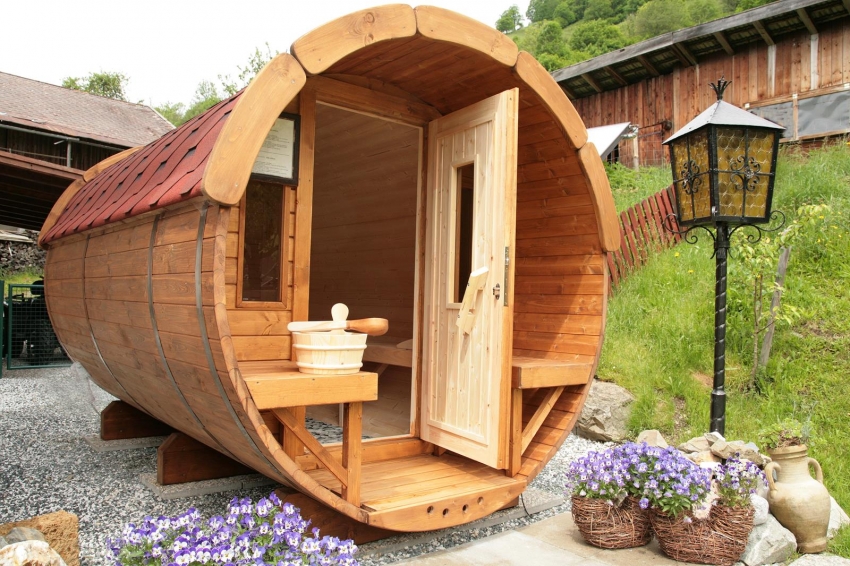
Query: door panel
[(469, 232)]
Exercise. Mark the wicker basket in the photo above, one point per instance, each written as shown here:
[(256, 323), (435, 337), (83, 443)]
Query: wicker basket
[(720, 539), (609, 526)]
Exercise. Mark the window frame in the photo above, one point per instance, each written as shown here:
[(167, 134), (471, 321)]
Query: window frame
[(285, 272)]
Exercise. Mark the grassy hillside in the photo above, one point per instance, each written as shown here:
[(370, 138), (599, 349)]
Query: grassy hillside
[(659, 340)]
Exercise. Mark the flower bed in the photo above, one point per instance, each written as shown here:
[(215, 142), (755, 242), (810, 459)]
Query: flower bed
[(267, 533)]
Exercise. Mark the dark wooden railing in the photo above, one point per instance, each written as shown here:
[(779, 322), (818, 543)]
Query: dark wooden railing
[(642, 234)]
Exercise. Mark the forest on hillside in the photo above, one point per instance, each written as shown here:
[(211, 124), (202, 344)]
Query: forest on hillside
[(560, 33)]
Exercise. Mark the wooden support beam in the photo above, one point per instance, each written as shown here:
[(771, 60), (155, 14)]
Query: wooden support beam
[(352, 452), (689, 58), (320, 452), (120, 421), (807, 21), (650, 67), (592, 82), (615, 75), (571, 93), (515, 454), (330, 522), (763, 33), (724, 43), (291, 445), (540, 415), (182, 459)]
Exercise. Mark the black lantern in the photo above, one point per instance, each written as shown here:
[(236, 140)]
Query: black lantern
[(724, 164)]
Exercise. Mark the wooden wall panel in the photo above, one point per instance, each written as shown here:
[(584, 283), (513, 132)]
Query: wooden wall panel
[(364, 218), (680, 96)]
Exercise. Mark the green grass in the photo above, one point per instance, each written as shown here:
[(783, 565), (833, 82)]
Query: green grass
[(659, 338), (630, 187)]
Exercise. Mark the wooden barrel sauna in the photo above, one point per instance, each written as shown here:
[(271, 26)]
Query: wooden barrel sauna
[(409, 162)]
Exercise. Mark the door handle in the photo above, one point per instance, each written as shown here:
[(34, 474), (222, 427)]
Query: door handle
[(466, 316)]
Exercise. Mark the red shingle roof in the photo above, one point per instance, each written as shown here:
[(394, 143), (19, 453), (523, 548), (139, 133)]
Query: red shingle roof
[(165, 172), (43, 106)]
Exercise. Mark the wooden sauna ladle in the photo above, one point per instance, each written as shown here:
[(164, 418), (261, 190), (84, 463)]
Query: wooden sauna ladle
[(370, 326)]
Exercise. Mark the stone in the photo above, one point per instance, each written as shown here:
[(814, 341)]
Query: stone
[(30, 553), (713, 437), (762, 509), (704, 457), (820, 560), (697, 444), (769, 542), (837, 518), (60, 530), (3, 542), (652, 438), (605, 413), (20, 534)]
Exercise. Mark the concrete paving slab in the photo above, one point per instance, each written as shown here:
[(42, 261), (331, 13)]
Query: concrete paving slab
[(561, 531), (506, 549)]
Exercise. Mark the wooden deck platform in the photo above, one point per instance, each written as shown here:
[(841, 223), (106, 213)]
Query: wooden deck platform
[(426, 492)]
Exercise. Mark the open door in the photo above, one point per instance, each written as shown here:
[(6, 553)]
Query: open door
[(469, 242)]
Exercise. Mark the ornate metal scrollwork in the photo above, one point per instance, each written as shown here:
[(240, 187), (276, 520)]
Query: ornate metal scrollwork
[(691, 237), (691, 181), (745, 174)]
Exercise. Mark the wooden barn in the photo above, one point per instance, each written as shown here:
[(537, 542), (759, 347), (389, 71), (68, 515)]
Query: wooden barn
[(406, 162), (789, 62)]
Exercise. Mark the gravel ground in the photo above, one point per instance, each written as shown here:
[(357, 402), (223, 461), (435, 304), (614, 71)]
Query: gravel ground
[(46, 465)]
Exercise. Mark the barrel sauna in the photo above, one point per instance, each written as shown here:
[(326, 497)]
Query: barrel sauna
[(408, 162)]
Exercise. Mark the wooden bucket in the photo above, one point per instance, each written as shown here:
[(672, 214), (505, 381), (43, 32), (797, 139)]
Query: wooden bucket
[(328, 353)]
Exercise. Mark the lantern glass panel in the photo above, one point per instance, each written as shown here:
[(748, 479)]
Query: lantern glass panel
[(691, 176), (744, 162)]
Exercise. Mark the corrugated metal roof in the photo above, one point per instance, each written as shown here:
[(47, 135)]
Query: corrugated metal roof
[(724, 114), (167, 171), (43, 106), (660, 55)]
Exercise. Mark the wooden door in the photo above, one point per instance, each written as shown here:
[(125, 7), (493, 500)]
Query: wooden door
[(469, 243)]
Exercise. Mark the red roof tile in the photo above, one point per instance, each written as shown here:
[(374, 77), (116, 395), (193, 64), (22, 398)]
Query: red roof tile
[(166, 171)]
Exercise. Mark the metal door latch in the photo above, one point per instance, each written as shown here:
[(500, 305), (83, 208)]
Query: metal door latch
[(497, 291)]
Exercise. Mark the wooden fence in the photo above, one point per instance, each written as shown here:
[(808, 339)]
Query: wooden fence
[(642, 234)]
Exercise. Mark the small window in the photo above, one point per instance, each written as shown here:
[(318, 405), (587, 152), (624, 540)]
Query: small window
[(463, 229), (263, 241)]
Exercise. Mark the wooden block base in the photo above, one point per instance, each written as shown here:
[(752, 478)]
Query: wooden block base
[(182, 459), (331, 523), (120, 421)]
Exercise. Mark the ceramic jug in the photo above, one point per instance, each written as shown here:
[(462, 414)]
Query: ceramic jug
[(799, 502)]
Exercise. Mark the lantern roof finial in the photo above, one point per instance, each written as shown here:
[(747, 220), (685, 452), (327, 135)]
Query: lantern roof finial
[(720, 87)]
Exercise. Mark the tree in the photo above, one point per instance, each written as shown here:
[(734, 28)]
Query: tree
[(596, 37), (701, 11), (564, 14), (256, 61), (598, 10), (173, 112), (110, 85), (660, 16), (539, 10), (206, 96), (510, 20), (550, 40)]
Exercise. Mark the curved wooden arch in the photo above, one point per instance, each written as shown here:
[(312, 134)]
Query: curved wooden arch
[(229, 166), (603, 200), (73, 189), (319, 49), (443, 25)]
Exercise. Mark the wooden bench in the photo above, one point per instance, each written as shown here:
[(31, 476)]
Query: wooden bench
[(278, 386)]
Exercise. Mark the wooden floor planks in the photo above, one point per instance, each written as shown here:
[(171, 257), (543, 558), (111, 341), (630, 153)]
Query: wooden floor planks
[(417, 479)]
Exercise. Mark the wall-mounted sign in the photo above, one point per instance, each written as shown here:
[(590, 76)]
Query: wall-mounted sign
[(278, 158)]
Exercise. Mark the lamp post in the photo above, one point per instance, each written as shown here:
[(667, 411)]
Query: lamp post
[(724, 163)]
